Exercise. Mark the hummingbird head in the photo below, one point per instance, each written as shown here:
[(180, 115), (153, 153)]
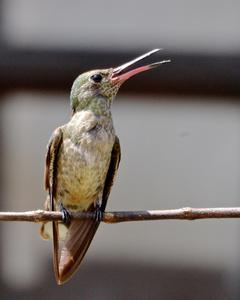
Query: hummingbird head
[(105, 83)]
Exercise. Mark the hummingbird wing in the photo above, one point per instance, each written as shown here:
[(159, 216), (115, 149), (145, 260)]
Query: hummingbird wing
[(51, 160), (81, 232), (50, 185), (112, 172)]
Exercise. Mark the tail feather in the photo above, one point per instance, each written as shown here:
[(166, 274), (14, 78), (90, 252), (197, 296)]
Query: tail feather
[(79, 236)]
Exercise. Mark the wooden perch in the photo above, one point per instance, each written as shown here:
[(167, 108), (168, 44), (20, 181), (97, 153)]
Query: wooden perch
[(186, 213)]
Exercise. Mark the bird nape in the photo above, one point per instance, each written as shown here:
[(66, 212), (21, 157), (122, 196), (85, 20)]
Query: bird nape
[(82, 161)]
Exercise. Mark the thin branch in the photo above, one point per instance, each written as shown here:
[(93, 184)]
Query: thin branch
[(186, 213)]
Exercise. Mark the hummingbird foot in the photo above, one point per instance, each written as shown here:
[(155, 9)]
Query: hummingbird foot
[(98, 213), (66, 217)]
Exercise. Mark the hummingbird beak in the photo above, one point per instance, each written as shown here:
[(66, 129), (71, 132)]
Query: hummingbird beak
[(129, 69)]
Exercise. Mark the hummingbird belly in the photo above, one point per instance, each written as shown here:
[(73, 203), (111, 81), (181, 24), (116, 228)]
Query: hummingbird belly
[(82, 167)]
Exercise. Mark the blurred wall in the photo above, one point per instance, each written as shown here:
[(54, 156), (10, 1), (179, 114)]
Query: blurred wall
[(183, 25)]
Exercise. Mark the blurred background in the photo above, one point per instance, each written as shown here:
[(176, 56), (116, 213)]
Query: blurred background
[(179, 129)]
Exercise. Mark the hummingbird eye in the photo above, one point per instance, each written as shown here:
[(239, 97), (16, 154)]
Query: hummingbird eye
[(96, 78)]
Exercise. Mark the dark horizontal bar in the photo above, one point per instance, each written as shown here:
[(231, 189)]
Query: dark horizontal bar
[(56, 69)]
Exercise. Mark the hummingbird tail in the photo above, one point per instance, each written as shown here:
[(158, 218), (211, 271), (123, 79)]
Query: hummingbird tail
[(79, 236)]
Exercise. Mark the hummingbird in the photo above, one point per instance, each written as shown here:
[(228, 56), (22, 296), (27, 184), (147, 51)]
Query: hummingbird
[(82, 161)]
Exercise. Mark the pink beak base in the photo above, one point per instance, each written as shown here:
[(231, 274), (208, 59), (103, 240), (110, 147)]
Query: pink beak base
[(123, 77)]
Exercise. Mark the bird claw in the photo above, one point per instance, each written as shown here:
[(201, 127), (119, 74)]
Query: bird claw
[(66, 217), (98, 213)]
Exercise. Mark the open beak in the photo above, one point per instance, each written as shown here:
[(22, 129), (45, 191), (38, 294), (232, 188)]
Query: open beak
[(135, 66)]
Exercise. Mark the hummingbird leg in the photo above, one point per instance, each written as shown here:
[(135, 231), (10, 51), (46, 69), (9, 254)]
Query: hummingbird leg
[(66, 217), (98, 211)]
